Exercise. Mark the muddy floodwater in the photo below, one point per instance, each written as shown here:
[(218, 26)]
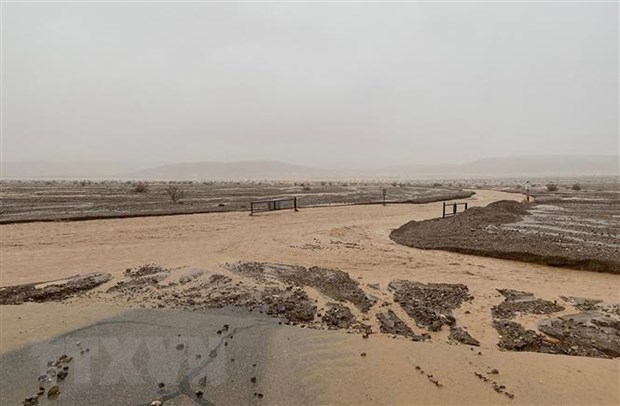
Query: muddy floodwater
[(71, 200), (318, 306)]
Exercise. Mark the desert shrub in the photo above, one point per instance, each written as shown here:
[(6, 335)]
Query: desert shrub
[(552, 187), (307, 188), (140, 187), (576, 186), (175, 193)]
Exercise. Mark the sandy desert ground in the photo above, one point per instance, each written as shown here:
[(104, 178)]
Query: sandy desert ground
[(317, 366)]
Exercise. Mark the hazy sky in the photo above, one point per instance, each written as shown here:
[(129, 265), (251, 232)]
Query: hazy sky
[(317, 84)]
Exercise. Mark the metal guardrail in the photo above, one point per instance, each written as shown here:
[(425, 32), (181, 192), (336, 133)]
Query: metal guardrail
[(454, 208), (271, 205)]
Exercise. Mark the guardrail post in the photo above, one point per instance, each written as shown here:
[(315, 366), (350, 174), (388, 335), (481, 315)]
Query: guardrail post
[(295, 203)]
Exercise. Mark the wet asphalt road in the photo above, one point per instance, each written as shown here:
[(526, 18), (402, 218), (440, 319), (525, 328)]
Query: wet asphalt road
[(147, 355)]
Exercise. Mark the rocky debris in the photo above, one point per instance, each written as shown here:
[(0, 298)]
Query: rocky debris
[(580, 303), (497, 387), (190, 276), (53, 392), (57, 371), (338, 316), (567, 233), (295, 306), (513, 337), (140, 280), (462, 336), (348, 245), (433, 380), (430, 305), (522, 302), (588, 333), (308, 246), (335, 284), (569, 339), (52, 291), (219, 279), (31, 401), (390, 323), (143, 270)]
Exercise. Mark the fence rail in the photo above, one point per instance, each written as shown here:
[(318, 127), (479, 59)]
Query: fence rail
[(271, 205), (453, 208)]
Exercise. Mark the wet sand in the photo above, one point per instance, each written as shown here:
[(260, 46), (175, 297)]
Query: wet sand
[(312, 366)]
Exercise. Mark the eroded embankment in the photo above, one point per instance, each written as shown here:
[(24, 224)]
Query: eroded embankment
[(563, 235), (323, 298)]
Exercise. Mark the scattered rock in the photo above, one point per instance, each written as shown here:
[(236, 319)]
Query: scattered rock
[(53, 392), (522, 302), (338, 316), (430, 305), (462, 336), (296, 306), (333, 283), (390, 323)]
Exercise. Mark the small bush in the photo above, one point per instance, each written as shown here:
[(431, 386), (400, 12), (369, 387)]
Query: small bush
[(140, 187), (552, 187), (576, 186), (175, 193)]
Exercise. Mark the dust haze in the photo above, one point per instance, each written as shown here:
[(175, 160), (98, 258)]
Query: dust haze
[(336, 85)]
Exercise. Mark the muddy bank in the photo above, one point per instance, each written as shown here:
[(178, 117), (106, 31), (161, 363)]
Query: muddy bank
[(583, 334), (566, 233), (329, 299), (27, 201), (333, 283), (593, 333), (52, 291)]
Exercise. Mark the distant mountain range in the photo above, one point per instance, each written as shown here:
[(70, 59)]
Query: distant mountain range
[(542, 165)]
